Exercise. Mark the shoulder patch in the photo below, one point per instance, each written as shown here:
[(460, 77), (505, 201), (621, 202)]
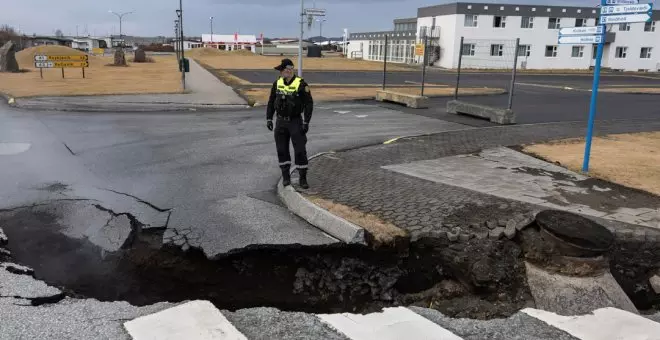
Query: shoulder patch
[(307, 89)]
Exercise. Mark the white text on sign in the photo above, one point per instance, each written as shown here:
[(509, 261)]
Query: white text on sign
[(625, 18), (622, 2), (585, 39), (581, 30), (625, 9)]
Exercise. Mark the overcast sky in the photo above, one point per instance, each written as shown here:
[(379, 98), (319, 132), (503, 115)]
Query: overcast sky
[(275, 18)]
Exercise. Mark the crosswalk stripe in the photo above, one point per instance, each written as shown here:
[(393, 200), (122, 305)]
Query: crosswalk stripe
[(392, 324), (602, 324), (196, 320)]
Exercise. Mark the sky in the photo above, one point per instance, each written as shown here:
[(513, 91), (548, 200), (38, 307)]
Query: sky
[(274, 18)]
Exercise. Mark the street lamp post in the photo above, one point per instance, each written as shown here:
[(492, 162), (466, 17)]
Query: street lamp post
[(121, 17), (300, 41), (179, 13), (321, 21), (176, 40), (211, 31)]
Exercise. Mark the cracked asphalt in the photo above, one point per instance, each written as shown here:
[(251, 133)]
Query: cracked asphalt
[(208, 178)]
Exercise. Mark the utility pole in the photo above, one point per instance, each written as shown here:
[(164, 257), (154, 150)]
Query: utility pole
[(300, 41)]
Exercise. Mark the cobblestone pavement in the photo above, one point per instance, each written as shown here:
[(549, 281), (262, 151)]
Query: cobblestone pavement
[(424, 208)]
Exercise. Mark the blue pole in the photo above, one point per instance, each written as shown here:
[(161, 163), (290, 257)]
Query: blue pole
[(594, 99)]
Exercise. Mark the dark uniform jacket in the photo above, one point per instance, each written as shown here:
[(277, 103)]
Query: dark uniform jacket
[(303, 102)]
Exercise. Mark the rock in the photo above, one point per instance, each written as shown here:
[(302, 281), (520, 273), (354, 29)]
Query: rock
[(481, 235), (524, 223), (465, 237), (120, 58), (491, 224), (140, 56), (496, 233), (502, 222), (3, 238), (510, 230), (655, 283), (8, 61), (454, 234)]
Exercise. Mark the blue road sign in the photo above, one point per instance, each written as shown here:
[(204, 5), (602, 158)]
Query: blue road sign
[(581, 39), (587, 30), (626, 9), (621, 2), (625, 18)]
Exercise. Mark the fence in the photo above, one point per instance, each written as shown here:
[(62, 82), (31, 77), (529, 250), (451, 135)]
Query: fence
[(498, 57)]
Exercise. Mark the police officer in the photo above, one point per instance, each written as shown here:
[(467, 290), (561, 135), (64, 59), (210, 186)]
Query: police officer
[(291, 99)]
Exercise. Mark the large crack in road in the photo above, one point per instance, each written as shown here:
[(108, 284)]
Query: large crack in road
[(480, 279)]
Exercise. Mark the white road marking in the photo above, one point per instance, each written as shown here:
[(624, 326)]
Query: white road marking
[(342, 112), (602, 324), (392, 324), (8, 149), (362, 116), (196, 320)]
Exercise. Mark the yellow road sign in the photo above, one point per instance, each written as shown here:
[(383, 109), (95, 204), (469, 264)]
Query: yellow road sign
[(67, 64), (419, 50), (61, 57), (98, 50)]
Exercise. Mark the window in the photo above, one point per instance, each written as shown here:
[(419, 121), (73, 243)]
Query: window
[(554, 23), (578, 52), (471, 20), (621, 52), (624, 27), (468, 49), (649, 26), (496, 50), (646, 53), (524, 50), (499, 21), (594, 52), (551, 51), (527, 22), (433, 24), (580, 22)]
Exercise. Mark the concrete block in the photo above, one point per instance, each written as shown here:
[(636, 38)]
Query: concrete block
[(413, 101), (655, 283), (494, 114)]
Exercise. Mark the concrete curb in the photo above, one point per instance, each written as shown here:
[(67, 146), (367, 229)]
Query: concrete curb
[(36, 105), (9, 99), (333, 225)]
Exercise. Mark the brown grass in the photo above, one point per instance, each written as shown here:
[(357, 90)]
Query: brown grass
[(241, 60), (383, 233), (325, 94), (161, 76), (632, 160), (636, 90)]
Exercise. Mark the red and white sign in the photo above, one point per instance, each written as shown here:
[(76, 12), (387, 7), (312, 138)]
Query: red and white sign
[(261, 37), (235, 36)]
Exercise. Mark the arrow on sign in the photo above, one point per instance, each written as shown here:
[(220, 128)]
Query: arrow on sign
[(622, 2), (625, 18), (626, 9), (581, 30), (581, 39)]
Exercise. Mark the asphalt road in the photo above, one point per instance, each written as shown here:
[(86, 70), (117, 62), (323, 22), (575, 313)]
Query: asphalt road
[(215, 171), (441, 77)]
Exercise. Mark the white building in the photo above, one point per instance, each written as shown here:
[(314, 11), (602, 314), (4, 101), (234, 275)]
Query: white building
[(230, 42), (187, 44), (490, 30)]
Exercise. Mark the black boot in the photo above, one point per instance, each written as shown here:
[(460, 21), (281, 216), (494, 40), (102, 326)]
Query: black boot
[(286, 177), (303, 178)]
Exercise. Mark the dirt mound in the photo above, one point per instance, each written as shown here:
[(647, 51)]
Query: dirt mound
[(242, 52), (26, 57), (210, 52)]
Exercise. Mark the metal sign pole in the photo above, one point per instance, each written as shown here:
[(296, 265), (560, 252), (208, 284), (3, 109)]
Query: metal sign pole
[(300, 41), (385, 64), (594, 99), (458, 72), (513, 74), (425, 57)]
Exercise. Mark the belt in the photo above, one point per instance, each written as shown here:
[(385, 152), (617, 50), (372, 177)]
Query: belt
[(287, 119)]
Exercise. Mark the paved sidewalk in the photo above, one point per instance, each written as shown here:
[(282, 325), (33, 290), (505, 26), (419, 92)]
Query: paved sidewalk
[(206, 92), (411, 184)]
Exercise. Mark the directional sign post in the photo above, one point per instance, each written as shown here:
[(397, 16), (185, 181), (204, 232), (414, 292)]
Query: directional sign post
[(623, 9), (581, 30), (61, 61), (621, 2), (581, 39), (625, 18)]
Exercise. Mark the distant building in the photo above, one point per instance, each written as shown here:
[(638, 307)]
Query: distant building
[(230, 42), (43, 40), (187, 44), (88, 44)]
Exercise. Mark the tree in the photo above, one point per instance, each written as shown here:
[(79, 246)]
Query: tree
[(59, 34), (7, 33)]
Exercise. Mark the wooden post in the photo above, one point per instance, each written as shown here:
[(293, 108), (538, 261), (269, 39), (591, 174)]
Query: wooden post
[(83, 71), (41, 72), (62, 72)]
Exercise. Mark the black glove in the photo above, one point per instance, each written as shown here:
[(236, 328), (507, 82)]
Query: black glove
[(305, 127), (269, 125)]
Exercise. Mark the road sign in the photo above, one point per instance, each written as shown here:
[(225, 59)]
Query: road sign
[(61, 57), (61, 64), (581, 39), (317, 12), (580, 30), (621, 2), (626, 9), (625, 18), (419, 50)]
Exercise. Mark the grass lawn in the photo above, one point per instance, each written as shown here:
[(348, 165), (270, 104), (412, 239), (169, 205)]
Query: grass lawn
[(161, 76), (632, 160)]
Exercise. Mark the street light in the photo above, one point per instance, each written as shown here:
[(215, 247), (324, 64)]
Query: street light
[(321, 21), (120, 16), (179, 13), (211, 30)]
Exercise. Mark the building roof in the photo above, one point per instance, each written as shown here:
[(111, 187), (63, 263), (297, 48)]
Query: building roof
[(229, 38), (405, 21), (513, 10)]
